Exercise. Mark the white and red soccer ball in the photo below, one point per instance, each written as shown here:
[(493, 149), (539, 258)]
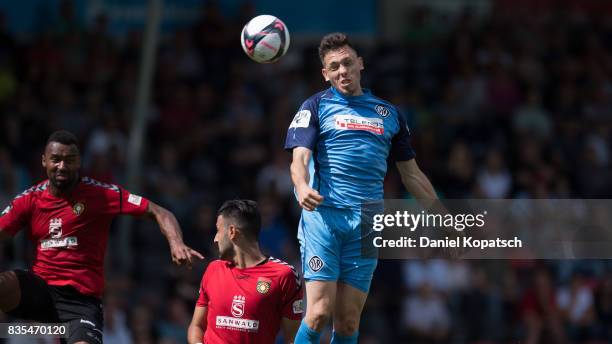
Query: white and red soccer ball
[(265, 39)]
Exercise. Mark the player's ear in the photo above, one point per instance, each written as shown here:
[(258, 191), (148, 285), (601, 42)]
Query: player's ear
[(324, 73), (360, 61), (44, 163), (231, 231)]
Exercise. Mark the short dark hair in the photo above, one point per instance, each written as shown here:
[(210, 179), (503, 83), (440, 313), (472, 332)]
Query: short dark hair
[(64, 137), (244, 214), (333, 41)]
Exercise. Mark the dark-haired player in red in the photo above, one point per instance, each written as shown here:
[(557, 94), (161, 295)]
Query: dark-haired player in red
[(68, 218), (245, 297)]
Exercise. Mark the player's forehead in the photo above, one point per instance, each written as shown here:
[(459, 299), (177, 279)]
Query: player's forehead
[(60, 149), (338, 55), (220, 221)]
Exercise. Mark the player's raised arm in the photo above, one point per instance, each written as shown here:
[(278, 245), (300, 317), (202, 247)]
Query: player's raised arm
[(416, 182), (308, 198), (169, 226), (197, 327)]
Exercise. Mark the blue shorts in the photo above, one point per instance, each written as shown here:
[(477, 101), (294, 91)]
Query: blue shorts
[(330, 245)]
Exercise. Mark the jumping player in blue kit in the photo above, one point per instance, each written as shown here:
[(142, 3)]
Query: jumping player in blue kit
[(340, 140)]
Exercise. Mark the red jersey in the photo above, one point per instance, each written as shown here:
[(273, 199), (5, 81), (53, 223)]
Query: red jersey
[(70, 232), (246, 305)]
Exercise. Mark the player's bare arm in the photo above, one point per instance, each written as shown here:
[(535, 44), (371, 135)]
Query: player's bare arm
[(290, 328), (197, 327), (308, 198), (169, 226), (416, 182)]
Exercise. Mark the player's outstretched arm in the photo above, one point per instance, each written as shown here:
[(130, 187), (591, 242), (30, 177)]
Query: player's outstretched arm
[(308, 198), (197, 327), (169, 226), (290, 328), (416, 182)]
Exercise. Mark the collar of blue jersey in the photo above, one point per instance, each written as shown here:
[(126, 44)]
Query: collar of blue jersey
[(366, 93)]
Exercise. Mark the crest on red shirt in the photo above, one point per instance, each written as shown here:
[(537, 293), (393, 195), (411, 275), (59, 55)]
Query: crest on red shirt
[(55, 228), (238, 306), (78, 208), (263, 285)]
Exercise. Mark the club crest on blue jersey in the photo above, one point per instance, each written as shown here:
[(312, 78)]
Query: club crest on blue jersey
[(382, 111)]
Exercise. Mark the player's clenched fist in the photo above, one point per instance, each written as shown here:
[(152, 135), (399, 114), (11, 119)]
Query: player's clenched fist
[(309, 198)]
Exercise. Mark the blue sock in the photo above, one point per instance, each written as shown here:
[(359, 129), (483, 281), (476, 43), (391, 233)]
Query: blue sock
[(306, 335), (339, 339)]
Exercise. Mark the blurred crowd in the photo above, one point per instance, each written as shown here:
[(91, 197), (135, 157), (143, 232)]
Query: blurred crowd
[(514, 104)]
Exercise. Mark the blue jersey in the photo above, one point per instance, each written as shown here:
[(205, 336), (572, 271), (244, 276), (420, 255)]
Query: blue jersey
[(351, 138)]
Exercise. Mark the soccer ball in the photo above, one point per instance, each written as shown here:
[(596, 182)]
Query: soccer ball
[(265, 39)]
